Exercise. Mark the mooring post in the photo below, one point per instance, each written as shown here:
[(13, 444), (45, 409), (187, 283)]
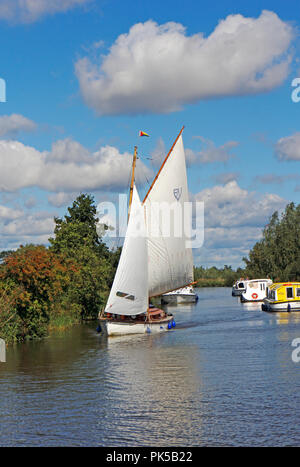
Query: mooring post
[(2, 351)]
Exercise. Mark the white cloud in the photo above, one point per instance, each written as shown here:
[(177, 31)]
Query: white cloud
[(230, 206), (30, 202), (226, 177), (29, 226), (211, 153), (7, 213), (12, 124), (61, 198), (28, 11), (234, 220), (17, 227), (159, 68), (288, 148), (68, 167), (276, 179), (21, 166), (68, 150)]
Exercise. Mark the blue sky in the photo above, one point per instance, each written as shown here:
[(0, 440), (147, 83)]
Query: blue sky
[(84, 76)]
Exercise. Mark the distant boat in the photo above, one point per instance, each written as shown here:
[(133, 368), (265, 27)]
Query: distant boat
[(283, 296), (256, 290), (239, 287), (150, 264), (183, 295)]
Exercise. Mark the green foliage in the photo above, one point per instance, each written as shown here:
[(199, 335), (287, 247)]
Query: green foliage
[(214, 277), (78, 229), (10, 323), (42, 288), (90, 286), (277, 254), (76, 238)]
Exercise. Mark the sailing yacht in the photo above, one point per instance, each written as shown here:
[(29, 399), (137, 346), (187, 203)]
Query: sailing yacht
[(183, 295), (151, 263)]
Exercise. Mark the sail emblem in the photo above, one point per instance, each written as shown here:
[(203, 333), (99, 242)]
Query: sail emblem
[(177, 193)]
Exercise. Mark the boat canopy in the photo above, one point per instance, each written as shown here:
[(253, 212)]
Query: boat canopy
[(282, 291)]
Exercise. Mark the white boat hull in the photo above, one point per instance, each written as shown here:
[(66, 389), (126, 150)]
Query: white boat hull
[(118, 328), (284, 306), (237, 292), (253, 300), (179, 298)]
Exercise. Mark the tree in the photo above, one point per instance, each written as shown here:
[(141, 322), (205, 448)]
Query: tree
[(76, 237), (5, 253), (35, 280), (78, 228), (277, 254)]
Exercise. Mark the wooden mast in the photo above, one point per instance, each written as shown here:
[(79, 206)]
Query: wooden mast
[(167, 157), (132, 179)]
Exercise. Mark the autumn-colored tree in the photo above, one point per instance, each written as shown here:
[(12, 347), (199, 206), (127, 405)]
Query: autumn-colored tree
[(10, 323), (70, 279), (39, 278)]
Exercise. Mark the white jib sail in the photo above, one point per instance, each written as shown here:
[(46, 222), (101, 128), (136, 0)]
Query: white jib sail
[(129, 292), (170, 263)]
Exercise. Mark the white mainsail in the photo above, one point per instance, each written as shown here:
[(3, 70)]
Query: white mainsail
[(129, 292), (170, 259)]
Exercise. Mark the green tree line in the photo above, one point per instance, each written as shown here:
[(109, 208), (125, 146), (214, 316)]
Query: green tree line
[(217, 277), (277, 254), (46, 287)]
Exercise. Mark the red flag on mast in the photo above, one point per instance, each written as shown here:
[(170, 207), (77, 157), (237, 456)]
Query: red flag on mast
[(142, 133)]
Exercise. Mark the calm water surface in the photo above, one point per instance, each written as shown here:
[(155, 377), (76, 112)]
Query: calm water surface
[(223, 377)]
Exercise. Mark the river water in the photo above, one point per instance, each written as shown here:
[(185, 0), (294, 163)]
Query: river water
[(224, 376)]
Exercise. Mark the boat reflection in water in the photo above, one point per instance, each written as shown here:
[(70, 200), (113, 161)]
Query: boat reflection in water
[(159, 386), (224, 377)]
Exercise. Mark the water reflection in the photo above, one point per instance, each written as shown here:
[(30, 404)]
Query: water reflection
[(287, 318), (159, 384), (251, 306), (223, 376)]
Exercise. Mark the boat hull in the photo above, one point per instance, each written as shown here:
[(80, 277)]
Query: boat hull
[(238, 292), (245, 300), (281, 306), (179, 298), (120, 328)]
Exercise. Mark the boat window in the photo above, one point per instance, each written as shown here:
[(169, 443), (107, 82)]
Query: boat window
[(289, 292), (125, 295), (297, 292), (241, 285)]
